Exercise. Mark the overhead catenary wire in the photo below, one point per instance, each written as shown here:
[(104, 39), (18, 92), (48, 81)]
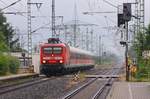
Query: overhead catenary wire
[(112, 21), (12, 8), (10, 5), (109, 18), (17, 12), (2, 2), (40, 27), (110, 4)]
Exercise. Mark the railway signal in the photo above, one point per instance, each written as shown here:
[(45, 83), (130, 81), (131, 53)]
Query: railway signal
[(126, 15), (121, 20), (127, 11)]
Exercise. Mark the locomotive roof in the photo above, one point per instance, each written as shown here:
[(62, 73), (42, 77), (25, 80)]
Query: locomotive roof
[(72, 49), (48, 44)]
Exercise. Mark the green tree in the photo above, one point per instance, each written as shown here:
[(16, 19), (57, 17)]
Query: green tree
[(142, 44), (3, 46), (147, 38), (139, 45), (8, 32)]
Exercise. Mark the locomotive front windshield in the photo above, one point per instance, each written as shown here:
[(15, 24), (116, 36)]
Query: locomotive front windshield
[(52, 50), (47, 50), (57, 50)]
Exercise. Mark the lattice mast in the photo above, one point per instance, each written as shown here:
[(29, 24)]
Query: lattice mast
[(140, 14), (29, 29), (75, 25), (53, 19)]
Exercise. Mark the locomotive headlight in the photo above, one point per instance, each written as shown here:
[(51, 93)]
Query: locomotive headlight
[(44, 61), (61, 61)]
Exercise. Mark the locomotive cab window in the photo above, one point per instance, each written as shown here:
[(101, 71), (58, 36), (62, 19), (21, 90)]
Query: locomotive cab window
[(47, 50), (57, 50)]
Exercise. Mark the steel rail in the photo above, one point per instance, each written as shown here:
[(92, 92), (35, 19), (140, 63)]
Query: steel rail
[(73, 93), (21, 82), (101, 89), (24, 85), (108, 82), (76, 91)]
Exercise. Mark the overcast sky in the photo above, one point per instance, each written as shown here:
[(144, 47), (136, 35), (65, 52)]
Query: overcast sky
[(66, 8)]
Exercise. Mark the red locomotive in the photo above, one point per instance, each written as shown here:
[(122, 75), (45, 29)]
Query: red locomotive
[(56, 56)]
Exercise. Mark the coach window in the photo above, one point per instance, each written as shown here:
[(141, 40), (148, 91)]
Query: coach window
[(83, 56), (78, 56), (71, 55)]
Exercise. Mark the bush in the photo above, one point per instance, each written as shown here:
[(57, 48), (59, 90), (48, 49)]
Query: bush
[(143, 70), (8, 64), (13, 64), (4, 66)]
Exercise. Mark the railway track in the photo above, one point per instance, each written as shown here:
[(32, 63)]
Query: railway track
[(100, 84), (102, 88), (13, 87), (13, 82), (93, 89)]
